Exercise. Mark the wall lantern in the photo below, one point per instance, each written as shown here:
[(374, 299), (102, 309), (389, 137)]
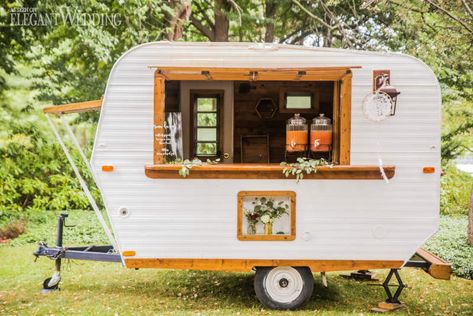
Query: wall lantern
[(382, 83)]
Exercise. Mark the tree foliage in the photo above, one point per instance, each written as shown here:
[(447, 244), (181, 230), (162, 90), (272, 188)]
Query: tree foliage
[(69, 62)]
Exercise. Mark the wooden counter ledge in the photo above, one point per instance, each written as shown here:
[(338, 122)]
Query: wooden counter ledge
[(266, 171)]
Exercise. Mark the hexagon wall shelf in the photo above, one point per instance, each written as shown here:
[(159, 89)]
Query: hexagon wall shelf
[(266, 108)]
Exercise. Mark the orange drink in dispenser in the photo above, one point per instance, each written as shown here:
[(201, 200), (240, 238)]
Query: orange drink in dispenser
[(296, 134), (321, 134)]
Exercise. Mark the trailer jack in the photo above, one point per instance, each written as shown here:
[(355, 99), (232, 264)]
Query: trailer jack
[(392, 302), (57, 253)]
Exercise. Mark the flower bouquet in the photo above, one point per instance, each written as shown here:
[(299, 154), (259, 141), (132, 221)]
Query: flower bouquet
[(268, 211), (252, 219)]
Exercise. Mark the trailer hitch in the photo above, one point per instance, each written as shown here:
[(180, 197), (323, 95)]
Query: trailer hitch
[(58, 252)]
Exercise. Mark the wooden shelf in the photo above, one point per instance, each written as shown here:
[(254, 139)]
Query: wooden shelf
[(265, 171)]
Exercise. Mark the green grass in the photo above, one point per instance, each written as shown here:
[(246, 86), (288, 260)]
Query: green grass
[(91, 288)]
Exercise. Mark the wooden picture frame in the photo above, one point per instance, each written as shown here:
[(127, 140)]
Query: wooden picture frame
[(289, 195)]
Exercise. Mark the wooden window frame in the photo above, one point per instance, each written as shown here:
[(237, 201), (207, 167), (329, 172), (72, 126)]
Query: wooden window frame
[(275, 237), (341, 152), (194, 94)]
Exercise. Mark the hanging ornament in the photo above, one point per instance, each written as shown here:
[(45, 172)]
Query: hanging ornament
[(377, 107)]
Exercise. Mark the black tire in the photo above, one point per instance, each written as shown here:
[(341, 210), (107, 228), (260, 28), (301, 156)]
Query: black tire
[(274, 277), (47, 287)]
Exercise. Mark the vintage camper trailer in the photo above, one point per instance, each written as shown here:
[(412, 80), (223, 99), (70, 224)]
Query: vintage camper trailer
[(374, 118)]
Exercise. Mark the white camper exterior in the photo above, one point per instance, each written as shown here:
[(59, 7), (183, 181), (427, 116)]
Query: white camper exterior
[(336, 219)]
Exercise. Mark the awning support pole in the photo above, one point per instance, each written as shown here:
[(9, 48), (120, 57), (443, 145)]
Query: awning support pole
[(83, 184), (79, 149)]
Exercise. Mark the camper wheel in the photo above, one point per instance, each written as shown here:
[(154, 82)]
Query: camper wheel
[(283, 287)]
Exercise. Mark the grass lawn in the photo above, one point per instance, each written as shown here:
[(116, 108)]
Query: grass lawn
[(90, 288)]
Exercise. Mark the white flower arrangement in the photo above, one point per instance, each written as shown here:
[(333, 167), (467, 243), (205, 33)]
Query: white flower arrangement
[(265, 219)]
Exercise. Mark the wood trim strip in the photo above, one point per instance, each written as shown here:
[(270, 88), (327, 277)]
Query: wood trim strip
[(264, 74), (261, 77), (78, 107), (245, 237), (265, 171), (345, 119), (336, 122), (439, 269), (248, 264), (158, 118), (245, 69)]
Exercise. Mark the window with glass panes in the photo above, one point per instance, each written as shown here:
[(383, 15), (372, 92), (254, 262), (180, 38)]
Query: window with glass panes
[(206, 124)]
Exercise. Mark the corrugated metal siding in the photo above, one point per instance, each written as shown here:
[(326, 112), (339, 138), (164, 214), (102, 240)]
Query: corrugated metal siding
[(345, 219)]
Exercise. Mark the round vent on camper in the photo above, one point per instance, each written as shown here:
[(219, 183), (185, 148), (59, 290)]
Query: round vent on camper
[(123, 212), (265, 108)]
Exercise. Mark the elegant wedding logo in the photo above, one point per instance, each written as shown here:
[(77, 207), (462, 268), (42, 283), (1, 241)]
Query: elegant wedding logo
[(26, 16)]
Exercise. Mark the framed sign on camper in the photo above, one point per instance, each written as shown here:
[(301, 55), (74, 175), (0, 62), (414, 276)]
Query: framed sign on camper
[(266, 215), (170, 137)]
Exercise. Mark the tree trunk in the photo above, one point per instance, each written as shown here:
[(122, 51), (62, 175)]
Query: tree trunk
[(182, 11), (270, 10), (221, 21), (470, 219)]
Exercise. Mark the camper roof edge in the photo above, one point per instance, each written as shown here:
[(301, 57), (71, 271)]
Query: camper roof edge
[(78, 107)]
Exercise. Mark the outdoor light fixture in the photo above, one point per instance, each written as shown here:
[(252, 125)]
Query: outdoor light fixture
[(382, 83), (392, 92)]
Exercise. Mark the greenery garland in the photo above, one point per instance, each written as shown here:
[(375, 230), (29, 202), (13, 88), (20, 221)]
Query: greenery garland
[(303, 165), (187, 165)]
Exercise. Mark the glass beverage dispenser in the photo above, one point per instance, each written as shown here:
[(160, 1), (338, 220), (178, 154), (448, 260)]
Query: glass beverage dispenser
[(296, 134), (321, 134)]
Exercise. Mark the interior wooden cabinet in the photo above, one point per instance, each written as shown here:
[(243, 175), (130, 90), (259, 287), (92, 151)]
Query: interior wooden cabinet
[(266, 215), (331, 94)]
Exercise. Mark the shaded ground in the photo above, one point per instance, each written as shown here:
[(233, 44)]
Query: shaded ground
[(108, 289)]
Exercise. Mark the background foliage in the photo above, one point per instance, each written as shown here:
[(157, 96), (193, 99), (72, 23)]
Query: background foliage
[(66, 62)]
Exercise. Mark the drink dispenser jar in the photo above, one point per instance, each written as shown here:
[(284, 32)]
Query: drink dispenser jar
[(321, 134), (296, 134)]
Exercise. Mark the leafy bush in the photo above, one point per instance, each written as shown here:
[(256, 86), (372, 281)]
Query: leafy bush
[(455, 191), (451, 244), (41, 226), (34, 172), (12, 230)]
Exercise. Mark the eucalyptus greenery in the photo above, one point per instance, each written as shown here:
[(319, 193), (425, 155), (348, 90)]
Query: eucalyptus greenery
[(303, 166), (267, 210), (187, 165)]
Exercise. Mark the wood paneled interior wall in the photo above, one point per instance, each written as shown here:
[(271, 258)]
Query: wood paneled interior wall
[(172, 90), (247, 121)]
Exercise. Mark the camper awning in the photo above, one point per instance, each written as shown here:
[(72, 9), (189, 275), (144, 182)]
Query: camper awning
[(254, 74), (74, 107)]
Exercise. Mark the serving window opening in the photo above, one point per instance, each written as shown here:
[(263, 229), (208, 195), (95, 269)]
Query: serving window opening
[(278, 115)]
